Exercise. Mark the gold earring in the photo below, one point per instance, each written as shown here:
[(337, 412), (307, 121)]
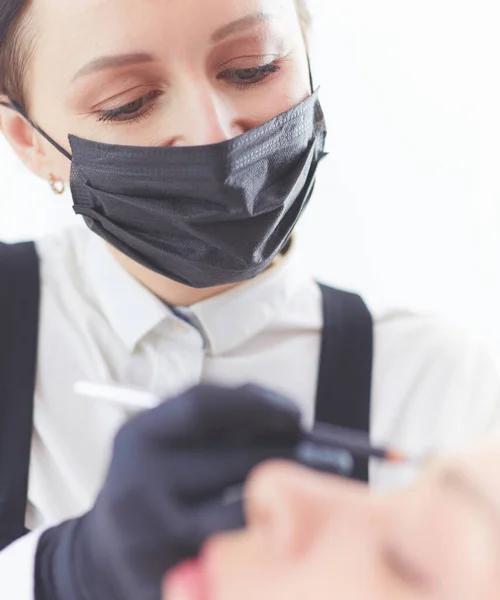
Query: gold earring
[(56, 185)]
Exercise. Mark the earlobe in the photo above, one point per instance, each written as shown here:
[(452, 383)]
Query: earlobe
[(23, 139)]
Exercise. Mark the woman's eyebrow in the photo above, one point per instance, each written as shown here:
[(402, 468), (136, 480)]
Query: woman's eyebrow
[(241, 25), (459, 481), (110, 62), (124, 60)]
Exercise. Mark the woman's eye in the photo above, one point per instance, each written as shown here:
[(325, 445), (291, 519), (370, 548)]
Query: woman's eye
[(132, 110), (249, 76)]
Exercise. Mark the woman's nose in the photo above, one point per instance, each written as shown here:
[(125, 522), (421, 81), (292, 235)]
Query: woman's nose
[(204, 117), (290, 505)]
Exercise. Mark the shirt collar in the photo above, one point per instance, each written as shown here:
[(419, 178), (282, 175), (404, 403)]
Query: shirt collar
[(226, 321), (131, 309), (234, 317)]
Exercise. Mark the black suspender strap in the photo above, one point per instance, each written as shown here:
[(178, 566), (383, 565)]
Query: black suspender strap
[(19, 309), (345, 374)]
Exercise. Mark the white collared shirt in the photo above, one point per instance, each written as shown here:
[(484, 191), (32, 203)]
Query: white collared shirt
[(433, 387)]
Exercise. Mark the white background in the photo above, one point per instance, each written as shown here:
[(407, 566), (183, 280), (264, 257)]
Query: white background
[(407, 205)]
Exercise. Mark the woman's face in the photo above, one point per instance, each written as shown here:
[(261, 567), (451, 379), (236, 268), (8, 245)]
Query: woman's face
[(162, 72), (317, 537)]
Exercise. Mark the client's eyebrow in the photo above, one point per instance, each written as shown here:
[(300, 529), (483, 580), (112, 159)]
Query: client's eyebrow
[(114, 61), (459, 481)]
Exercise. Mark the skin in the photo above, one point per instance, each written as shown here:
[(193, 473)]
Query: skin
[(194, 92), (318, 537)]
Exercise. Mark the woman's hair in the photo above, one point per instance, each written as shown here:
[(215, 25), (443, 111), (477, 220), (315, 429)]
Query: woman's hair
[(16, 45), (15, 48)]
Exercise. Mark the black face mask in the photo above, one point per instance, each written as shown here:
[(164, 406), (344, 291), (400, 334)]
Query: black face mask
[(207, 215)]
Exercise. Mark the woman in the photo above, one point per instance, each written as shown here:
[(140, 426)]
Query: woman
[(193, 151), (314, 536)]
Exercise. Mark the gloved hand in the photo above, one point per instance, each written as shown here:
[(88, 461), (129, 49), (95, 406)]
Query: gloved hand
[(163, 494)]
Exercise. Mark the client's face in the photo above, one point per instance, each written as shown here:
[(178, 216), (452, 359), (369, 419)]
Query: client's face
[(317, 537)]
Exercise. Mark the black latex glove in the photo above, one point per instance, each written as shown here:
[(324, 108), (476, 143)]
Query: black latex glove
[(163, 494)]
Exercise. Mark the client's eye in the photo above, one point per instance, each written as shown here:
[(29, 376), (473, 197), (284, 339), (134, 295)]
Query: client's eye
[(131, 111), (249, 76), (405, 569)]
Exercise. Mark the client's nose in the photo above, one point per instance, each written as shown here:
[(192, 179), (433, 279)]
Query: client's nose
[(291, 504)]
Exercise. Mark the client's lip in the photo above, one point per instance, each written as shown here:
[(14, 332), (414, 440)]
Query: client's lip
[(188, 581)]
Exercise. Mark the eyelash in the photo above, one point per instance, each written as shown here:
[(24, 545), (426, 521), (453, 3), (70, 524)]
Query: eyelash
[(117, 114), (260, 74), (404, 569)]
